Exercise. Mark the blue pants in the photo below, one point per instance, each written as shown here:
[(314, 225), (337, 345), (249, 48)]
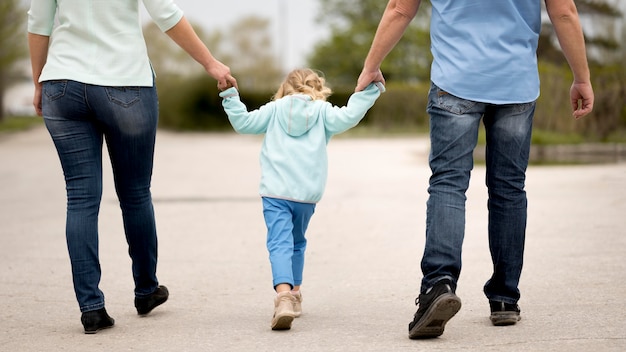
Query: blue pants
[(286, 222), (79, 117), (454, 124)]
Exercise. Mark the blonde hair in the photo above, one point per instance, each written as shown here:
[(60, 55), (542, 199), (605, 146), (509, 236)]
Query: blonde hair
[(304, 81)]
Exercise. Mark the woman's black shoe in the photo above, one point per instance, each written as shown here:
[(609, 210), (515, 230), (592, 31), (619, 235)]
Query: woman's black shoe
[(146, 304), (96, 320)]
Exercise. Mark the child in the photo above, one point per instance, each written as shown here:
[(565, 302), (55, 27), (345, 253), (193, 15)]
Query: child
[(298, 123)]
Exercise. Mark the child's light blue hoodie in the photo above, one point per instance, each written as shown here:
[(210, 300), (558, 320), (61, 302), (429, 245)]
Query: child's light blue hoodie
[(294, 162)]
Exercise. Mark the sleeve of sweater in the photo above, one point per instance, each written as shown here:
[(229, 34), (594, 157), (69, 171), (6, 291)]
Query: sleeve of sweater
[(341, 119), (242, 120)]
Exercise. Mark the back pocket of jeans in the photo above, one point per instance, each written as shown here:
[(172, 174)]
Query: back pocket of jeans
[(123, 96), (53, 90), (453, 104)]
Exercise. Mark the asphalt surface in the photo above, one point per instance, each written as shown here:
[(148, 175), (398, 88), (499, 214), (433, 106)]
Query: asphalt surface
[(362, 271)]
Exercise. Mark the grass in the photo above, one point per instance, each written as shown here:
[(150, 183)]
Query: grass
[(19, 123), (539, 137), (367, 131)]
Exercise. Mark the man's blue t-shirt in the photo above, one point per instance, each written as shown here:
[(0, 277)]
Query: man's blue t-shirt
[(486, 50)]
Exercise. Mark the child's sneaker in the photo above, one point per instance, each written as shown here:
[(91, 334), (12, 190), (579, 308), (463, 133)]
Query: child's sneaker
[(283, 311), (297, 306)]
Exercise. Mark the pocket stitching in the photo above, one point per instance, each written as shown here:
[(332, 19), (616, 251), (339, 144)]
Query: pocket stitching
[(56, 95), (112, 98)]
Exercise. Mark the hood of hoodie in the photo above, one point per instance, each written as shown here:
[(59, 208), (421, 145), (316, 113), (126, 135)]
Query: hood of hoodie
[(297, 113)]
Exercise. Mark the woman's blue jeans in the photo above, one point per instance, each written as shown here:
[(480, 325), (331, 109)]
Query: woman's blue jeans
[(286, 222), (79, 117), (454, 125)]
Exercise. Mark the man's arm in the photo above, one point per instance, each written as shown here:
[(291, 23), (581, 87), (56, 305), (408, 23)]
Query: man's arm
[(564, 18), (396, 18)]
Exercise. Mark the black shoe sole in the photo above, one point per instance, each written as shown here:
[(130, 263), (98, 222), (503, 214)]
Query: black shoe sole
[(91, 330), (504, 318), (434, 320)]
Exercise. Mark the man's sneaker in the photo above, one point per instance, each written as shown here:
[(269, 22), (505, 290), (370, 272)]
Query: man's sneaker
[(438, 305), (297, 306), (283, 311), (504, 313)]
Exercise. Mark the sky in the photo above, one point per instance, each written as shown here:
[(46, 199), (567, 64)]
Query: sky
[(293, 44)]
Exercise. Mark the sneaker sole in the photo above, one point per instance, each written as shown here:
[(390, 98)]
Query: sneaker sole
[(434, 320), (504, 318), (282, 323)]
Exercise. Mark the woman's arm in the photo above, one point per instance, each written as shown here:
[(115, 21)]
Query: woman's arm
[(183, 34), (38, 45)]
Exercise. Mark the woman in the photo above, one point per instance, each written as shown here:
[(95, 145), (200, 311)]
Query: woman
[(94, 82)]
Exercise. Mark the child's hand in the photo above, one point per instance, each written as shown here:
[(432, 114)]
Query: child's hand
[(222, 74), (222, 85), (368, 77)]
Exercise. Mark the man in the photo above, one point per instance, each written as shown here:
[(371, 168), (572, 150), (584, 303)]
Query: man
[(484, 68)]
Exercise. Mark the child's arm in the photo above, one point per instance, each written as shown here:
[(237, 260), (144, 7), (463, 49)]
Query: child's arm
[(253, 122), (341, 119)]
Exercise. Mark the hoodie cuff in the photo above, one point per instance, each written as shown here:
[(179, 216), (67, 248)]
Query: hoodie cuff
[(379, 85), (229, 93)]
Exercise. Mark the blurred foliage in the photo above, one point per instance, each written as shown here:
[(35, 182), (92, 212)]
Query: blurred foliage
[(14, 44), (193, 102), (352, 26), (402, 107), (250, 54), (601, 20), (168, 58), (19, 123), (189, 98), (190, 103), (248, 51)]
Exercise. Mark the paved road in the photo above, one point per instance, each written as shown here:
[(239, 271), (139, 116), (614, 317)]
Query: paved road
[(362, 270)]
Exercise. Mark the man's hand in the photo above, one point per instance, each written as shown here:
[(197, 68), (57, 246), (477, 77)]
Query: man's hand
[(581, 97), (368, 77)]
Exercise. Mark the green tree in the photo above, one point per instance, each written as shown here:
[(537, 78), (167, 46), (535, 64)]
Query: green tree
[(352, 26), (169, 59), (13, 39), (600, 20), (250, 54), (192, 101)]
